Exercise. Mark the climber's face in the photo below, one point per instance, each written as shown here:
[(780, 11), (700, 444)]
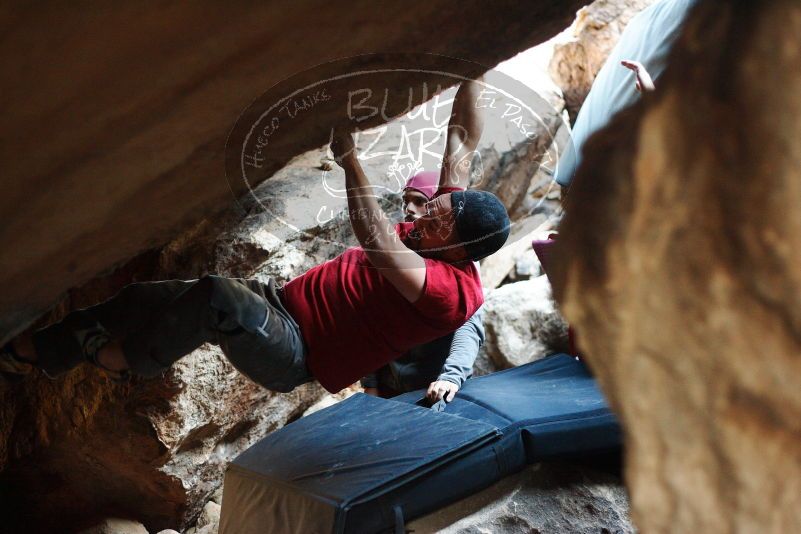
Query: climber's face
[(436, 233), (414, 204)]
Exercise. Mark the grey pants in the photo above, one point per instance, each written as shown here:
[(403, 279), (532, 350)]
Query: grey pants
[(159, 322)]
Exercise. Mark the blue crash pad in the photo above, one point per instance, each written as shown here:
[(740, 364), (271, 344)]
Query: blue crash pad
[(368, 464), (554, 402)]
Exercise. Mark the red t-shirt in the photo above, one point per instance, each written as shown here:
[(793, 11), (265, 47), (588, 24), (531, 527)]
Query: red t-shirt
[(354, 321)]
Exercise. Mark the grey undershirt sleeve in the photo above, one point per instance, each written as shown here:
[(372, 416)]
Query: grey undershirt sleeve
[(464, 349)]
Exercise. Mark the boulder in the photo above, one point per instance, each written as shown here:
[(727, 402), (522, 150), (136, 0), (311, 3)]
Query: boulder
[(521, 325), (210, 517), (527, 266), (544, 195), (542, 498), (497, 268), (596, 30), (154, 450), (116, 526), (518, 167), (217, 495), (678, 266)]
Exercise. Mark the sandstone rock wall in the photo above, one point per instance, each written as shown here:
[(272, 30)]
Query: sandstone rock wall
[(518, 168), (521, 325), (679, 262)]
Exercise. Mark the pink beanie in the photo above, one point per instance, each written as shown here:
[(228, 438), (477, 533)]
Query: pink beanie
[(426, 182)]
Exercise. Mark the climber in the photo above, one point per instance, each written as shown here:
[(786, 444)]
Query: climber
[(336, 322), (444, 364)]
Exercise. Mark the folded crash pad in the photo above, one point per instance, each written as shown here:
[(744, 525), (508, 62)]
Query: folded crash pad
[(554, 404), (368, 464)]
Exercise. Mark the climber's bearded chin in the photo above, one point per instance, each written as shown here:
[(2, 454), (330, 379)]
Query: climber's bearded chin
[(413, 239)]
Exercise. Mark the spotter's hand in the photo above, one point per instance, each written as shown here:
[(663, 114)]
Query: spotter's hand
[(441, 389)]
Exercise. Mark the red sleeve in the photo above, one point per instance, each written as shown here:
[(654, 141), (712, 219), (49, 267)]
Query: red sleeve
[(451, 294)]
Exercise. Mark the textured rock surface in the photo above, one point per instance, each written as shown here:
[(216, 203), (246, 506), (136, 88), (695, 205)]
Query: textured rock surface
[(332, 398), (116, 526), (210, 517), (115, 139), (544, 498), (498, 267), (680, 256), (153, 450), (521, 324), (595, 32), (519, 168)]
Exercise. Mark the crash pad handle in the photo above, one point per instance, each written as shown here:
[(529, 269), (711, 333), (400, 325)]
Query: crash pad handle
[(438, 406)]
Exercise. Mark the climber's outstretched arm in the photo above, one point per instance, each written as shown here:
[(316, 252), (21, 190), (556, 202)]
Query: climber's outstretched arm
[(464, 131), (376, 233)]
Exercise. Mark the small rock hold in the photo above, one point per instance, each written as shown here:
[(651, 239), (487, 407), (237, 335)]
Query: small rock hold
[(168, 531)]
